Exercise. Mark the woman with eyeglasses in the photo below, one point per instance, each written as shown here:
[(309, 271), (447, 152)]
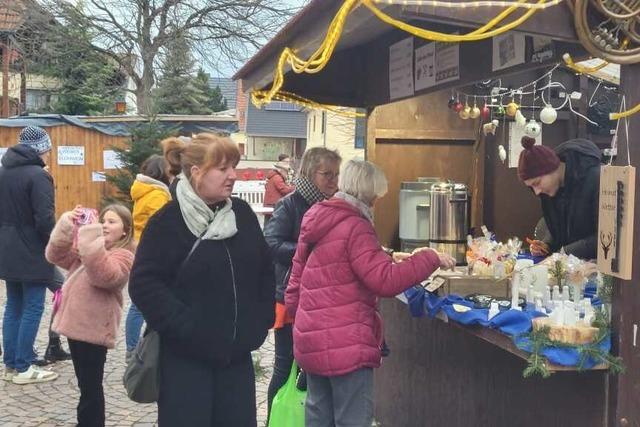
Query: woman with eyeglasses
[(318, 180)]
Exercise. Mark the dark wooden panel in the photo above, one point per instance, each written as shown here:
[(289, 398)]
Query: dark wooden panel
[(625, 389), (438, 375)]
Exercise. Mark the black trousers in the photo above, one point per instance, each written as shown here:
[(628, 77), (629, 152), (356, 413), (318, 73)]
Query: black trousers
[(192, 393), (88, 364), (282, 361)]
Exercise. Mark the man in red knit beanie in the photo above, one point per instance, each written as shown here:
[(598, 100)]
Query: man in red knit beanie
[(567, 180)]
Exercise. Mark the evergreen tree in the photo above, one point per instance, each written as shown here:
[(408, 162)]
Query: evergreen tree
[(178, 90), (215, 101), (145, 141)]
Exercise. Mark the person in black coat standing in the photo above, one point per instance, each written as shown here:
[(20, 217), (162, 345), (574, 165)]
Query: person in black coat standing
[(203, 279), (567, 180), (27, 218), (318, 181)]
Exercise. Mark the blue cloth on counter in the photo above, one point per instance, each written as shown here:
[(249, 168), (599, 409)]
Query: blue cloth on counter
[(514, 323), (536, 259)]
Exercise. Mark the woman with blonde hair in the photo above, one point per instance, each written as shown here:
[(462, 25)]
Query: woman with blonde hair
[(98, 252), (318, 180), (191, 282)]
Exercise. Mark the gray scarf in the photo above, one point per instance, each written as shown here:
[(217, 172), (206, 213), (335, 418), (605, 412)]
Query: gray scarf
[(200, 219), (362, 207)]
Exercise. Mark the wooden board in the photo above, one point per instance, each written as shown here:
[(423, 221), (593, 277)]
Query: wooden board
[(615, 220)]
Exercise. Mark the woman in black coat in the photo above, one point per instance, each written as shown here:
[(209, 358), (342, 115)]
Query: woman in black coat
[(318, 181), (203, 279)]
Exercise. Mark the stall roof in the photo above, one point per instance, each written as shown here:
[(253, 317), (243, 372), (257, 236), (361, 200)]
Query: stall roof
[(305, 32), (121, 125)]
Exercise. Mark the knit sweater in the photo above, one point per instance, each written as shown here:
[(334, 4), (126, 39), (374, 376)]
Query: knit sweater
[(92, 300)]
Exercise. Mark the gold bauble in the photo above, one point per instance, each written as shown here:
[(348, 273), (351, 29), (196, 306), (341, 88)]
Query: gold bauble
[(465, 112), (512, 108), (475, 113)]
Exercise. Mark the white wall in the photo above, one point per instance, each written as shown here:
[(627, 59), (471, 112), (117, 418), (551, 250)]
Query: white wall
[(327, 129)]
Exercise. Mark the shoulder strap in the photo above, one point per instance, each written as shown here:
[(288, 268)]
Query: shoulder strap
[(193, 249)]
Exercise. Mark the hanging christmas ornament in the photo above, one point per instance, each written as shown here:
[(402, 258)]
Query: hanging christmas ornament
[(502, 153), (485, 112), (548, 114), (458, 106), (451, 103), (465, 113), (521, 120), (475, 111), (532, 129), (512, 108)]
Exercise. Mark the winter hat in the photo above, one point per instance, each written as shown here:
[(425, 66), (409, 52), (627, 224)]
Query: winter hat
[(536, 160), (36, 138)]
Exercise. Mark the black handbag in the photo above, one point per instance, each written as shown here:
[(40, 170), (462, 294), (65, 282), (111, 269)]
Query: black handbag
[(142, 375)]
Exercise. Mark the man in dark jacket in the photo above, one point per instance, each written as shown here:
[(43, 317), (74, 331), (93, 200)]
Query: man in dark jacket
[(26, 219), (567, 180)]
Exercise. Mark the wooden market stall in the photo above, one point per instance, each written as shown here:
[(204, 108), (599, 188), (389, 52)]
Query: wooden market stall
[(440, 374)]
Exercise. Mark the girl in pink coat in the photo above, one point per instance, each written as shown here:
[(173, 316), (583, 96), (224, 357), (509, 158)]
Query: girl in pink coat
[(339, 271), (98, 256)]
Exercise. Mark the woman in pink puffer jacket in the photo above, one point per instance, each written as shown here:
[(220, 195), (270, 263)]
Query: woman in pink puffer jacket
[(339, 271)]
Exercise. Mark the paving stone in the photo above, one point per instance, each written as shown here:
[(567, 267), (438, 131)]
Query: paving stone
[(54, 403)]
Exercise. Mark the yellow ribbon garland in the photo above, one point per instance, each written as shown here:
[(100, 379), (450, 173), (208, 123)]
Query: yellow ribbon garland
[(304, 102), (319, 59)]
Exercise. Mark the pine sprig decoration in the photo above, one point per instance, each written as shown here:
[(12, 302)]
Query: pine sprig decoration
[(558, 272), (539, 339), (537, 363)]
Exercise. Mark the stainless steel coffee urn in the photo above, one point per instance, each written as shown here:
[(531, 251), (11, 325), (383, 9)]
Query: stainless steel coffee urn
[(415, 202), (449, 219)]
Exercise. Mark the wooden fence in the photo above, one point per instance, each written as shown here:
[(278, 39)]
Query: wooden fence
[(74, 184)]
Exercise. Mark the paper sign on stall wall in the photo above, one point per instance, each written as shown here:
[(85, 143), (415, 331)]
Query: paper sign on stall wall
[(69, 155), (437, 63), (111, 160), (2, 151), (515, 143), (401, 69), (615, 220), (98, 177), (508, 50)]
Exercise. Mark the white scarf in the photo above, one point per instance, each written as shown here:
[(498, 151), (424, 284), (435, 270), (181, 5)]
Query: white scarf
[(200, 219), (354, 201)]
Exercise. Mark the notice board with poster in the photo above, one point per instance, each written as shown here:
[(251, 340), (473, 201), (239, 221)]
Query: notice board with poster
[(615, 220)]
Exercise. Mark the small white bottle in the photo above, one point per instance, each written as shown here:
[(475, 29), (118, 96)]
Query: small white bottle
[(493, 309)]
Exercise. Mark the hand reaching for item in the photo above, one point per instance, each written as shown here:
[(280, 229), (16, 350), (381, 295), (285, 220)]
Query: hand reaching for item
[(538, 247), (398, 257)]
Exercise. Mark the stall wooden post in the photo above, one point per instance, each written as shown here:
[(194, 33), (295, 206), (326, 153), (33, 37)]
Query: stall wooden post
[(624, 390)]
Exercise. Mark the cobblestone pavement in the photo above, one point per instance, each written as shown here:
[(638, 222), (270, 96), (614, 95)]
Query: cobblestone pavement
[(53, 403)]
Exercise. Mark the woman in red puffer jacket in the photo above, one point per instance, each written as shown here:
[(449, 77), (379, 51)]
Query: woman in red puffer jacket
[(339, 271)]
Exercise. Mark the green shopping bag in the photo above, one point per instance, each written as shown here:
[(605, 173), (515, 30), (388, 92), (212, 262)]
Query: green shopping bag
[(287, 409)]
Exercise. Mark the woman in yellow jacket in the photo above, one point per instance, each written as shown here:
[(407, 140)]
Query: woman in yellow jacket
[(150, 192)]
